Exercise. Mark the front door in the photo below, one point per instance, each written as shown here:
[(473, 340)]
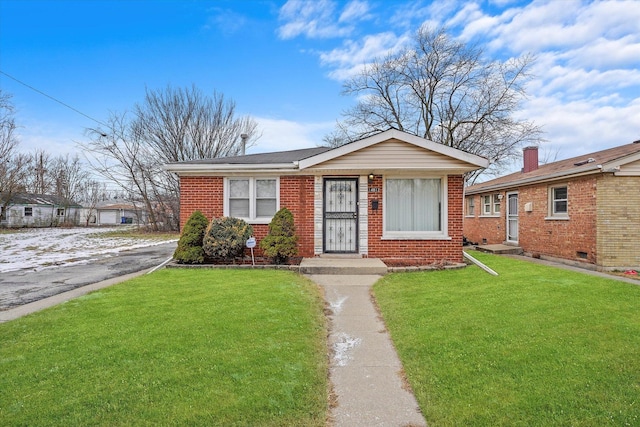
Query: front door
[(512, 217), (341, 215)]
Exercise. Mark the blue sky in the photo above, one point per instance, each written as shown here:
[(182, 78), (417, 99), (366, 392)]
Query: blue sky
[(283, 62)]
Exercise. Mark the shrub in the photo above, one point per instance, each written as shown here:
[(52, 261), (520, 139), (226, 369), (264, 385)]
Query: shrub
[(281, 240), (189, 250), (226, 238)]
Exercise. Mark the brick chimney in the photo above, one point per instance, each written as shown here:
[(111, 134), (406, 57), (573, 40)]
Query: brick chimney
[(530, 159)]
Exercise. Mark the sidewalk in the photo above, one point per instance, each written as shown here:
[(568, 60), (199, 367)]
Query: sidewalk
[(365, 369)]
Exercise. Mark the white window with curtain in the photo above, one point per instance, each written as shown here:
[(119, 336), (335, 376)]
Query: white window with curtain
[(254, 199), (415, 208)]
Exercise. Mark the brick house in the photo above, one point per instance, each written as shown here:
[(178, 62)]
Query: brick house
[(584, 209), (393, 196)]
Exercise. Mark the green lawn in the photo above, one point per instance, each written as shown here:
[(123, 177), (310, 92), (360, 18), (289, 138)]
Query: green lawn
[(536, 346), (178, 347)]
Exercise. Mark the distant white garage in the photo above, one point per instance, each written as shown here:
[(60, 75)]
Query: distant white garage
[(108, 217)]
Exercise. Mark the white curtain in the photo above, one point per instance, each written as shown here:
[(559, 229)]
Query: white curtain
[(413, 204)]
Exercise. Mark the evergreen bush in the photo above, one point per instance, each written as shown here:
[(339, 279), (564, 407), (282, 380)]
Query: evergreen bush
[(226, 238), (281, 240), (189, 250)]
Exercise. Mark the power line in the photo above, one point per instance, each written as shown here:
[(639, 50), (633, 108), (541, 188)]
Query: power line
[(56, 100)]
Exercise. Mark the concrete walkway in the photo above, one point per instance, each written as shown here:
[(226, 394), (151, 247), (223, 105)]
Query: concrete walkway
[(365, 369)]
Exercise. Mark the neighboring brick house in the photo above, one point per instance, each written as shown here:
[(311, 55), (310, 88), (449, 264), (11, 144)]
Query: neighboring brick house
[(393, 196), (584, 209)]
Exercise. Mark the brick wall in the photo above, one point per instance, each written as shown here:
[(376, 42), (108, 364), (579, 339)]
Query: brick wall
[(203, 193), (560, 238), (618, 222), (488, 230), (418, 252), (206, 193)]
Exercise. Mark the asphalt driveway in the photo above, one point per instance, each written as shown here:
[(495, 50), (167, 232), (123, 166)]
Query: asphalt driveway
[(39, 264)]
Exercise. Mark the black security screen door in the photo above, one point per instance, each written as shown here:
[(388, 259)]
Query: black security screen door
[(341, 215)]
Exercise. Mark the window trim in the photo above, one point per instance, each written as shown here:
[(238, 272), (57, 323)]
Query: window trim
[(551, 214), (30, 214), (494, 200), (470, 206), (60, 212), (252, 219), (419, 235)]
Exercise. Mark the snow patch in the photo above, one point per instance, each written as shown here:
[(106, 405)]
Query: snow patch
[(342, 348), (49, 247)]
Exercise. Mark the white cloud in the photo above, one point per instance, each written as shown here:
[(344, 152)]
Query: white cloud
[(283, 135), (584, 126), (318, 19), (352, 56), (355, 10)]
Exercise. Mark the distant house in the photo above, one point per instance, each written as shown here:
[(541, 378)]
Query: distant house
[(38, 210), (109, 213), (584, 209), (393, 196)]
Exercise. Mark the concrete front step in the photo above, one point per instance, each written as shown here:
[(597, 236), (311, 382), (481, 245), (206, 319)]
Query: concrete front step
[(500, 249), (342, 265)]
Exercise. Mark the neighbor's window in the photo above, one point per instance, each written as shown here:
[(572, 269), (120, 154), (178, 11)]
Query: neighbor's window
[(486, 205), (490, 205), (28, 211), (558, 202), (413, 207), (496, 204), (60, 212), (471, 206), (252, 199)]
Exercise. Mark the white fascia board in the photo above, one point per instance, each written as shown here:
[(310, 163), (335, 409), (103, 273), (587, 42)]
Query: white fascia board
[(478, 161), (535, 180), (621, 161), (181, 168)]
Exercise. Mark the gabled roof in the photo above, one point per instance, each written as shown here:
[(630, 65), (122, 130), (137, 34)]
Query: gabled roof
[(609, 160), (39, 199), (297, 160), (354, 146)]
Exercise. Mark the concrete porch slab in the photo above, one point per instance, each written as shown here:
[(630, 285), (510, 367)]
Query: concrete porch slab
[(343, 266), (500, 249)]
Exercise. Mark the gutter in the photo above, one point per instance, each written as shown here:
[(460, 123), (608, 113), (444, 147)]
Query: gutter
[(535, 180)]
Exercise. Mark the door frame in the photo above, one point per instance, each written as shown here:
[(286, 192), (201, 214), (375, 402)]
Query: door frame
[(356, 212), (512, 217)]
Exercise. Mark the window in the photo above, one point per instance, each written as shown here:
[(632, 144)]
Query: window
[(252, 199), (471, 207), (414, 208), (3, 214), (60, 212), (490, 204), (486, 205), (28, 211), (558, 202)]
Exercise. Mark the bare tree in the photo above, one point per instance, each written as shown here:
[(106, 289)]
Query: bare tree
[(444, 91), (171, 125), (13, 165), (39, 181)]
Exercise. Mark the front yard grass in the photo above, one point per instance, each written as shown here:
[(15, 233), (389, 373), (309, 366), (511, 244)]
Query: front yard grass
[(177, 347), (534, 346)]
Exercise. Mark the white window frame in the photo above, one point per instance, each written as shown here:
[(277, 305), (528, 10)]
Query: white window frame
[(30, 211), (497, 199), (252, 219), (419, 235), (552, 214), (489, 202), (60, 212), (471, 206)]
